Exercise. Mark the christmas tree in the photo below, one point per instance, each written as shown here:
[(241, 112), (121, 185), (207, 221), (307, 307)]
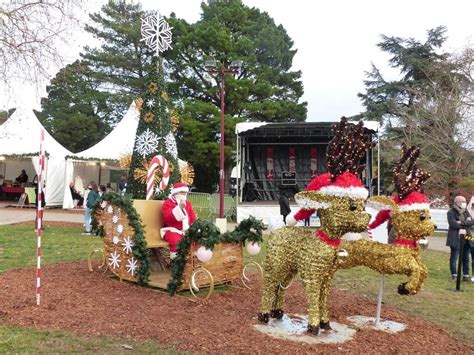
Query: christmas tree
[(158, 122)]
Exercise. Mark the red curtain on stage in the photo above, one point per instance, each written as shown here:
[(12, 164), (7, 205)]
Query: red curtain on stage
[(313, 153), (292, 160), (269, 174)]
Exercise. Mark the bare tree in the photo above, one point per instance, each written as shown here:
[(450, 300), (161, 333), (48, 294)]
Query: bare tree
[(30, 34), (441, 121)]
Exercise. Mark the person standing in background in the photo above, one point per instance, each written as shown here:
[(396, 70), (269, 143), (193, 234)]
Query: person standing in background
[(284, 202), (92, 197), (459, 221)]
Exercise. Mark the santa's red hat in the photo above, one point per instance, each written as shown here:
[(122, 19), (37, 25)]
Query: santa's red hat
[(413, 201), (179, 187), (346, 185)]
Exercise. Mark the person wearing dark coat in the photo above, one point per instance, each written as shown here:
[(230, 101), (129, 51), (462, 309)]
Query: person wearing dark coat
[(284, 205), (22, 178), (460, 222)]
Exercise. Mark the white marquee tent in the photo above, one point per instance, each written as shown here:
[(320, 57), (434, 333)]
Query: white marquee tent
[(98, 161), (19, 148)]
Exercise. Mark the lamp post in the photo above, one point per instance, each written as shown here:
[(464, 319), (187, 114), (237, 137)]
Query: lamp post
[(212, 68)]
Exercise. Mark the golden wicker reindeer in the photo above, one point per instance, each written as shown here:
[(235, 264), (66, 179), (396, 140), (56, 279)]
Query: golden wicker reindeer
[(409, 214), (340, 196)]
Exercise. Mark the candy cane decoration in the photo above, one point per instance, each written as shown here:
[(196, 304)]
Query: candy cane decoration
[(39, 219), (157, 161)]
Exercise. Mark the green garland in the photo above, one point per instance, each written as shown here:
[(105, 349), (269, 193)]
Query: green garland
[(25, 155), (77, 158), (207, 235), (140, 251)]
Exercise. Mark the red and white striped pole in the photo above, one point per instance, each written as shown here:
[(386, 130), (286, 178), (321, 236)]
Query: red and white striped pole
[(39, 217)]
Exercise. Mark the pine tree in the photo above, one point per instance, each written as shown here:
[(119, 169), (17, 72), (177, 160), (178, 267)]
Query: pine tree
[(155, 136)]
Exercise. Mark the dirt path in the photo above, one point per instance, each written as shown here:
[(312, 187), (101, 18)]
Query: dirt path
[(92, 303)]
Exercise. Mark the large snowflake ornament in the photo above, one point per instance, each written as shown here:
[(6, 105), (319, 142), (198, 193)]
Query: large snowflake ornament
[(131, 265), (170, 143), (150, 103), (127, 245), (147, 143), (114, 260), (156, 33)]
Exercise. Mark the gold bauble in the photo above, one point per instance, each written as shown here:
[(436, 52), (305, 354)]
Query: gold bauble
[(174, 118), (153, 87), (149, 117), (164, 96)]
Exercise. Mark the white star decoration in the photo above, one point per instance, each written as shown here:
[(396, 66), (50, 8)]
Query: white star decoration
[(114, 260), (131, 265), (150, 103), (156, 33), (103, 204), (110, 209), (120, 228), (115, 240), (115, 219), (147, 143), (127, 245)]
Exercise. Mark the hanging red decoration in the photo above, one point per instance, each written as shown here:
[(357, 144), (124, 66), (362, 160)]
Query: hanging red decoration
[(313, 154), (292, 160), (269, 174)]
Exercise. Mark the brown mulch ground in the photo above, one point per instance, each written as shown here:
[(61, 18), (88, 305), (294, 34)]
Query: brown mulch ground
[(92, 303)]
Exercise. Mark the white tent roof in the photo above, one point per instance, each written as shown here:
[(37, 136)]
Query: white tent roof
[(20, 134), (118, 142)]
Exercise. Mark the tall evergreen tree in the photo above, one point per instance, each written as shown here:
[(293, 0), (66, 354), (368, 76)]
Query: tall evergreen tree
[(75, 113), (122, 63), (266, 89)]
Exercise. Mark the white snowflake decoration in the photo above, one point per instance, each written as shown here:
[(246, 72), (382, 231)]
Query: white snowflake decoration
[(120, 228), (103, 204), (115, 239), (147, 143), (131, 265), (110, 209), (170, 143), (156, 33), (150, 103), (114, 260), (127, 245), (115, 219)]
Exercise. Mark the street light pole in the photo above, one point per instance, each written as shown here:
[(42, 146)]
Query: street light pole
[(234, 69)]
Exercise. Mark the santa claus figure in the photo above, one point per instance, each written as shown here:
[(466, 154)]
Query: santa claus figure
[(177, 216)]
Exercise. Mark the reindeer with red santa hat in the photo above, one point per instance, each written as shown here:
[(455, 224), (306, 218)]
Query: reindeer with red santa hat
[(409, 214), (339, 196)]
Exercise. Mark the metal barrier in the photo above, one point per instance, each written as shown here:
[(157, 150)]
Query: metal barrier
[(207, 205)]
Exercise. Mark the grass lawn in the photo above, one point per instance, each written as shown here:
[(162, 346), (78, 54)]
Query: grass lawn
[(453, 311)]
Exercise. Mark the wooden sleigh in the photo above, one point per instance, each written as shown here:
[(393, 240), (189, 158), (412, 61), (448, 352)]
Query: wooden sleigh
[(225, 266)]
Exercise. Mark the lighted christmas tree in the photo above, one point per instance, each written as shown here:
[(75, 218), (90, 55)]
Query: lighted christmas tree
[(158, 122)]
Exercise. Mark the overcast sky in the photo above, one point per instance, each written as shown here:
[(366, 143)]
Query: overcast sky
[(336, 42)]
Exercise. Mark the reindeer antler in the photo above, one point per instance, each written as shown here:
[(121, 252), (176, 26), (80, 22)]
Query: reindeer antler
[(347, 148), (414, 178)]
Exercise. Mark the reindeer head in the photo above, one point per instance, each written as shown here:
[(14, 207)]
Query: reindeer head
[(410, 208), (339, 195)]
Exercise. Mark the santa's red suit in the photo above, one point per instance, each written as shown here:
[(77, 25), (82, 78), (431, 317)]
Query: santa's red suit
[(175, 219)]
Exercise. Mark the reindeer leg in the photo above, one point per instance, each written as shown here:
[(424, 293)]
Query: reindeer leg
[(269, 297), (417, 273), (323, 298), (312, 288), (277, 307)]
